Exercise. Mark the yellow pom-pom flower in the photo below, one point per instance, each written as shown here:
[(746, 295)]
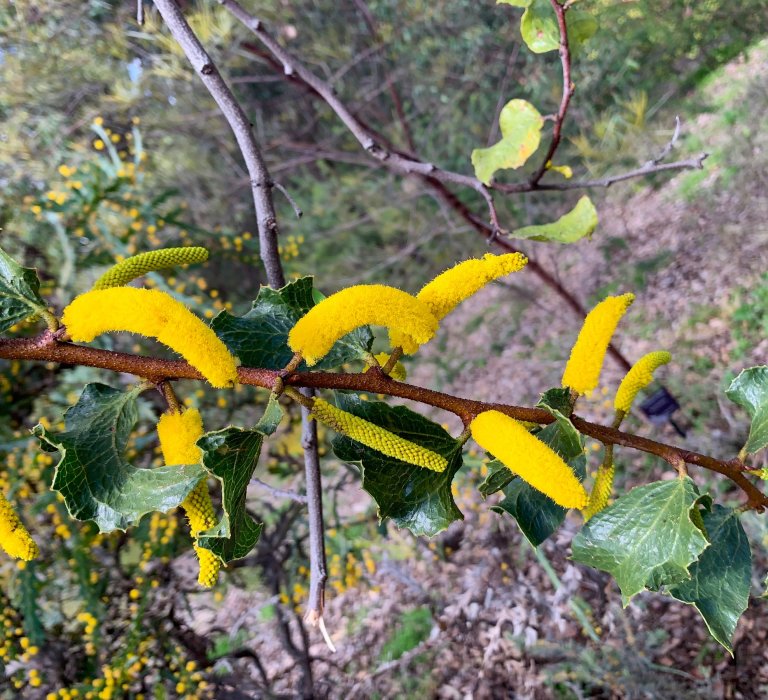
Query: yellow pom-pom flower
[(14, 537), (582, 373), (601, 491), (528, 457), (639, 377), (152, 313), (376, 304), (376, 437), (446, 291), (178, 433), (138, 265), (398, 371)]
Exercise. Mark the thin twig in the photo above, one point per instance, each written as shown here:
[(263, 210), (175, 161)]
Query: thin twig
[(291, 200), (280, 493)]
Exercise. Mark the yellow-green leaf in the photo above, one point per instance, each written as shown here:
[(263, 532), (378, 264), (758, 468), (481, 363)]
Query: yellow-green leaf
[(521, 126), (581, 221)]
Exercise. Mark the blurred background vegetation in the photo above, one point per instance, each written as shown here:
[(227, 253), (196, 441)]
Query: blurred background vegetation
[(109, 146)]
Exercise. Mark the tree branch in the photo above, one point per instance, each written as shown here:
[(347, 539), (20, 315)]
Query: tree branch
[(46, 348)]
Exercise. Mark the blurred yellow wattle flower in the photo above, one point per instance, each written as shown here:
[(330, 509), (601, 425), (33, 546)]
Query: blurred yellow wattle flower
[(14, 537), (639, 377)]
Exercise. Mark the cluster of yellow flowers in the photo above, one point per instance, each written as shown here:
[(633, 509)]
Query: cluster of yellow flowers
[(639, 377), (139, 265), (376, 437), (14, 537), (178, 433)]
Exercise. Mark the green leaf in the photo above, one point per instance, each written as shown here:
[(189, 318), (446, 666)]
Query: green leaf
[(558, 403), (538, 515), (581, 221), (514, 3), (647, 538), (231, 456), (538, 27), (94, 477), (720, 579), (521, 126), (415, 498), (750, 391), (271, 418), (19, 292), (260, 337), (498, 477)]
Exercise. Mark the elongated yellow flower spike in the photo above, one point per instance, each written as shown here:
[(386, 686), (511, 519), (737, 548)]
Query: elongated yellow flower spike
[(398, 371), (152, 313), (376, 304), (14, 537), (639, 377), (528, 457), (138, 265), (601, 491), (446, 291), (376, 437), (178, 433), (582, 373)]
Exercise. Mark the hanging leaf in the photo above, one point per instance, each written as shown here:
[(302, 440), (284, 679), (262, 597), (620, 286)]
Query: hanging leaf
[(231, 456), (415, 498), (720, 579), (646, 539), (521, 125), (750, 391), (260, 337), (93, 475), (19, 292), (581, 221), (540, 32), (270, 420)]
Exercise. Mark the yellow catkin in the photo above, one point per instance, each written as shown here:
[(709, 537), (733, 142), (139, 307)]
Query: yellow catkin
[(138, 265), (601, 491), (446, 291), (528, 457), (376, 437), (639, 377), (156, 314), (398, 371), (582, 373), (14, 537), (376, 304), (178, 433)]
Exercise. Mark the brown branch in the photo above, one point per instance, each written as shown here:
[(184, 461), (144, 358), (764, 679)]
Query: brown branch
[(45, 348)]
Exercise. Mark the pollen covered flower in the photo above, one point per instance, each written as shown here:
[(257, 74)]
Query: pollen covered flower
[(138, 265), (528, 457), (178, 433), (14, 537), (376, 437), (446, 291), (582, 373), (601, 491), (639, 377), (376, 304), (152, 313)]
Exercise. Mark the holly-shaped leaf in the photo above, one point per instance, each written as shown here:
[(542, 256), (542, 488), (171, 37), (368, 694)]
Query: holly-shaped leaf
[(231, 456), (538, 515), (720, 579), (415, 498), (93, 475), (19, 292), (521, 126), (260, 337), (647, 538), (569, 443), (578, 223), (750, 391)]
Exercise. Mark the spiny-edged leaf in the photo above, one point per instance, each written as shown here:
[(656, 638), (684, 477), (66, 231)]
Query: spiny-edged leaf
[(538, 27), (260, 337), (19, 292), (93, 475), (558, 403), (750, 391), (581, 221), (415, 498), (521, 126), (270, 420), (720, 579), (647, 538), (231, 455), (538, 515), (498, 477)]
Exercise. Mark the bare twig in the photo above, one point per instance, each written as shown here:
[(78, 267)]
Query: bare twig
[(291, 200), (280, 493)]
